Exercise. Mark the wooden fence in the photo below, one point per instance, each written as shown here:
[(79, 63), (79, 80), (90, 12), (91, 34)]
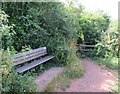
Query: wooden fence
[(85, 47)]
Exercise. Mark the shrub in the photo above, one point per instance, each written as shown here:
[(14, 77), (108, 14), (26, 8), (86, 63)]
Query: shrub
[(74, 67), (61, 82), (4, 28), (92, 24), (109, 44), (11, 80), (40, 24)]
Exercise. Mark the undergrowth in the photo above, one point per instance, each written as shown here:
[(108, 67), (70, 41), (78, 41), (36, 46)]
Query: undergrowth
[(116, 88), (111, 63), (10, 80), (73, 70)]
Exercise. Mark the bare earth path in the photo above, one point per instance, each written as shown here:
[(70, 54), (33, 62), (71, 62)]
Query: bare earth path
[(95, 79), (44, 79)]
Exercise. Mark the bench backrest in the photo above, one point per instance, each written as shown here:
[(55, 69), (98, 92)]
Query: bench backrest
[(29, 55)]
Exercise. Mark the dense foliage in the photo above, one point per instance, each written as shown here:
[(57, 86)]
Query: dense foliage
[(4, 28), (10, 80), (40, 24), (92, 24), (73, 70), (54, 25), (109, 44), (35, 25)]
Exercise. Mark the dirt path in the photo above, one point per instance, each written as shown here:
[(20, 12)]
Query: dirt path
[(95, 79), (44, 79)]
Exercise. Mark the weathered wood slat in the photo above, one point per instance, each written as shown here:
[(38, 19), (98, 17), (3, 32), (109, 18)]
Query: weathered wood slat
[(28, 59), (30, 55), (29, 52), (83, 45), (33, 64), (86, 42), (86, 50)]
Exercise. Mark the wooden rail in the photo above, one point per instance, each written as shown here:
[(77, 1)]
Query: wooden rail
[(84, 47)]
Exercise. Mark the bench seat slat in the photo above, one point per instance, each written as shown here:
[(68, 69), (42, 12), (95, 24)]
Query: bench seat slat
[(41, 53), (29, 52), (33, 64), (28, 59)]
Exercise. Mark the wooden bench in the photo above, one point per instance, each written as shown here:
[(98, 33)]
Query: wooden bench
[(28, 56)]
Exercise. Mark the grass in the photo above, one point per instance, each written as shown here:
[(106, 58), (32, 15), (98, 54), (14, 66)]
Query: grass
[(73, 70), (111, 63), (62, 81), (115, 88)]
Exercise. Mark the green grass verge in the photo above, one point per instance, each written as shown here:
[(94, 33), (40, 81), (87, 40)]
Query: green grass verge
[(73, 69), (111, 63), (62, 81)]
